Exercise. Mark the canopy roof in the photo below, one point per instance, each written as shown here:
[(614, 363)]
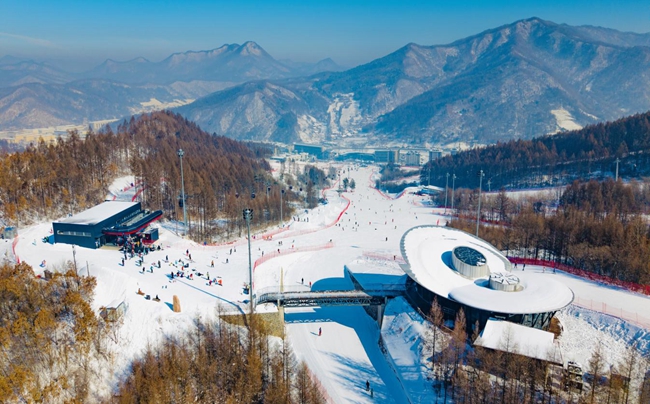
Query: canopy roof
[(428, 251), (98, 213)]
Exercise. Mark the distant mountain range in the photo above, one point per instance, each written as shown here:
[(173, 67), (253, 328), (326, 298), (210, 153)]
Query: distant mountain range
[(35, 94), (520, 80), (524, 79)]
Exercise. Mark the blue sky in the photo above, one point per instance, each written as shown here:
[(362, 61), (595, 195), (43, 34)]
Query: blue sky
[(352, 32)]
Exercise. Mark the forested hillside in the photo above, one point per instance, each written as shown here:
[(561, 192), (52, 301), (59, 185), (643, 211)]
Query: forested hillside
[(221, 175), (594, 226), (213, 363), (48, 334), (55, 349), (553, 159)]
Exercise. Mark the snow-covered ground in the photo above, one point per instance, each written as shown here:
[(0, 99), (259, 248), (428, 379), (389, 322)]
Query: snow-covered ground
[(365, 227)]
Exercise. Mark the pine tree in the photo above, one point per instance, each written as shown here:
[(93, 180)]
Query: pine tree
[(595, 366)]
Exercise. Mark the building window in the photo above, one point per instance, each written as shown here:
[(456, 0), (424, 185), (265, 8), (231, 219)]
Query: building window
[(73, 233)]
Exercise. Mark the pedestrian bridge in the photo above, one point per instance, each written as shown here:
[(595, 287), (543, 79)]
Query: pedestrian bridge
[(303, 297)]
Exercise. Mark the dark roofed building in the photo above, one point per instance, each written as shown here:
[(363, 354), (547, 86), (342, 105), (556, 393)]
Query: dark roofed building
[(103, 223)]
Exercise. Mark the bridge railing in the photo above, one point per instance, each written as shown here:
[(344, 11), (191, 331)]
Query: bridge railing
[(273, 294)]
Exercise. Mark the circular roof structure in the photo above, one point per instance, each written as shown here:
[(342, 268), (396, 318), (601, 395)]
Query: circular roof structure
[(470, 256), (504, 281), (469, 262), (430, 254)]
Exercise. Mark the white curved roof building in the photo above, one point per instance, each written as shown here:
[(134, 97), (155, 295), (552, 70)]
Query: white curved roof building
[(468, 272)]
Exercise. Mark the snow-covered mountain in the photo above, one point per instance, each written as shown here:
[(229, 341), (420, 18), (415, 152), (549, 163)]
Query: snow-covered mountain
[(520, 80), (35, 94), (229, 63), (15, 72)]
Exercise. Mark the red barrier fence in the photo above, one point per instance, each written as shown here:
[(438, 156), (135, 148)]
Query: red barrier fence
[(613, 311), (631, 286), (383, 257), (137, 194), (286, 228), (13, 249), (286, 251)]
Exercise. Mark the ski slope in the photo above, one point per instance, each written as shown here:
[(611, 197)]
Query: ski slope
[(311, 247)]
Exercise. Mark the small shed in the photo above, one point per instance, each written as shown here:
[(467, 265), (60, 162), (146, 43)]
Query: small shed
[(114, 311), (9, 232), (517, 339), (149, 235)]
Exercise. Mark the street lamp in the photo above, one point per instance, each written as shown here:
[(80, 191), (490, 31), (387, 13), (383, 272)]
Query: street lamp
[(453, 188), (446, 190), (181, 153), (248, 215), (481, 174)]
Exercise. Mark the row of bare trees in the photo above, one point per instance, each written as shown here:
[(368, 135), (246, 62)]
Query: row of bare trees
[(473, 374), (219, 363), (595, 226), (582, 153)]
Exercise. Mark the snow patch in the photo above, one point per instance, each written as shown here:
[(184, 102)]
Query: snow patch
[(564, 120), (345, 119)]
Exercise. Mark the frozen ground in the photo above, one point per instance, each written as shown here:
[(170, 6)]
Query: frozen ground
[(366, 226)]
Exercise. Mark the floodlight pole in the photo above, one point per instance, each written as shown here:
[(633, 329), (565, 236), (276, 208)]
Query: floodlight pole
[(480, 185), (181, 153), (453, 188), (446, 190), (617, 161), (248, 215)]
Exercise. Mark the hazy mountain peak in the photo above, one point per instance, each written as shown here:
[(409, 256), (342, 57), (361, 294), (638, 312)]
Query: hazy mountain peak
[(12, 60), (251, 48)]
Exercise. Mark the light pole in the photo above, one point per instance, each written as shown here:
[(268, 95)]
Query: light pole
[(181, 153), (248, 215), (453, 188), (281, 218), (617, 161), (74, 259), (480, 185), (446, 190)]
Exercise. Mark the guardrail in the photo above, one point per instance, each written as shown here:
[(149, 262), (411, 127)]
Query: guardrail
[(309, 298)]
